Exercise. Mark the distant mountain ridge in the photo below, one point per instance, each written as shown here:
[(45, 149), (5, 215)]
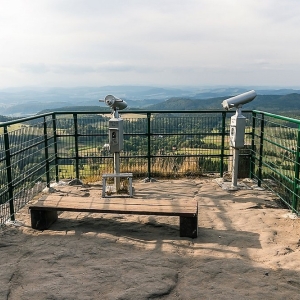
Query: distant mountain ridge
[(29, 101), (269, 103)]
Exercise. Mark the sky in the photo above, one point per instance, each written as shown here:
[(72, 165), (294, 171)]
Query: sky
[(70, 43)]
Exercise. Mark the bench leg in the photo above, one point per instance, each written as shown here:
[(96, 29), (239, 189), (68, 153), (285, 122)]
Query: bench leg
[(103, 187), (130, 186), (189, 226), (42, 219)]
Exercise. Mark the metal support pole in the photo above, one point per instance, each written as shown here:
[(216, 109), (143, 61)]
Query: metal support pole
[(261, 149), (235, 167), (253, 149), (149, 144), (222, 144), (47, 166), (76, 146), (9, 174), (55, 147), (117, 170), (296, 176)]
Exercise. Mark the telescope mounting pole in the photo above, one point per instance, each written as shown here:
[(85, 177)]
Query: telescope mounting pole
[(236, 153), (235, 167), (115, 113), (116, 157)]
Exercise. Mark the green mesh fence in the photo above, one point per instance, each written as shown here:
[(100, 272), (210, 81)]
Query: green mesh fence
[(275, 159), (27, 158), (60, 146)]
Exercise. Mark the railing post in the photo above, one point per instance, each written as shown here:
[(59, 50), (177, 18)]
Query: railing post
[(296, 176), (222, 144), (253, 152), (46, 153), (149, 143), (9, 175), (55, 147), (76, 146), (261, 144)]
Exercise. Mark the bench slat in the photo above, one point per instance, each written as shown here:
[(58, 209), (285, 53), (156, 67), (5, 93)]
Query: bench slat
[(117, 175), (125, 201), (125, 206)]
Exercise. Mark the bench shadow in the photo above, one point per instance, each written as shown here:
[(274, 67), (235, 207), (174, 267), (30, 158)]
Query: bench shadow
[(151, 228)]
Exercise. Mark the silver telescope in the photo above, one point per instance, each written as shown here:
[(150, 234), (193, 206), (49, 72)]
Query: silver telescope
[(114, 102), (239, 100)]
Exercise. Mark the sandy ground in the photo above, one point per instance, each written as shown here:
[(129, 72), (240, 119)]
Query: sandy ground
[(248, 248)]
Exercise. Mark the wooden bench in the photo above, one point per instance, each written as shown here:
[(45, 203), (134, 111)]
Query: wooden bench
[(44, 212)]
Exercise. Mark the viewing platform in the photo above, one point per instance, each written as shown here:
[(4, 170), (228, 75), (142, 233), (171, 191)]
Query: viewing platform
[(246, 240), (242, 242)]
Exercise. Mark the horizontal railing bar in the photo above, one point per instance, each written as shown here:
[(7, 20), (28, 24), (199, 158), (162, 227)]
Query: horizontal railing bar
[(278, 117), (30, 174), (152, 156), (102, 111), (26, 148), (280, 146), (135, 111), (3, 192), (275, 171), (142, 134)]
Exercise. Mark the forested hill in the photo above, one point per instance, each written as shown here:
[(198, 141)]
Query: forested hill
[(25, 103), (5, 119), (271, 103), (288, 105)]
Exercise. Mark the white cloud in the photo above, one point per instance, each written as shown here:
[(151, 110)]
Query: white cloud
[(159, 42)]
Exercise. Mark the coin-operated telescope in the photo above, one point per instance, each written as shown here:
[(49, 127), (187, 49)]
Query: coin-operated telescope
[(239, 100), (114, 102), (115, 123), (237, 128), (115, 128), (238, 121)]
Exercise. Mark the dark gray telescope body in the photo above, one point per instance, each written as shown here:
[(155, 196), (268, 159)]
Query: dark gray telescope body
[(114, 102), (239, 100)]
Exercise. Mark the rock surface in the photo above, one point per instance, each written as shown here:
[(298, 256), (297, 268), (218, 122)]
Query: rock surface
[(247, 248)]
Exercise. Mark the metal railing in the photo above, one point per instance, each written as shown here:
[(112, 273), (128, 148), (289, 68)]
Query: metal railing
[(55, 146), (275, 156)]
